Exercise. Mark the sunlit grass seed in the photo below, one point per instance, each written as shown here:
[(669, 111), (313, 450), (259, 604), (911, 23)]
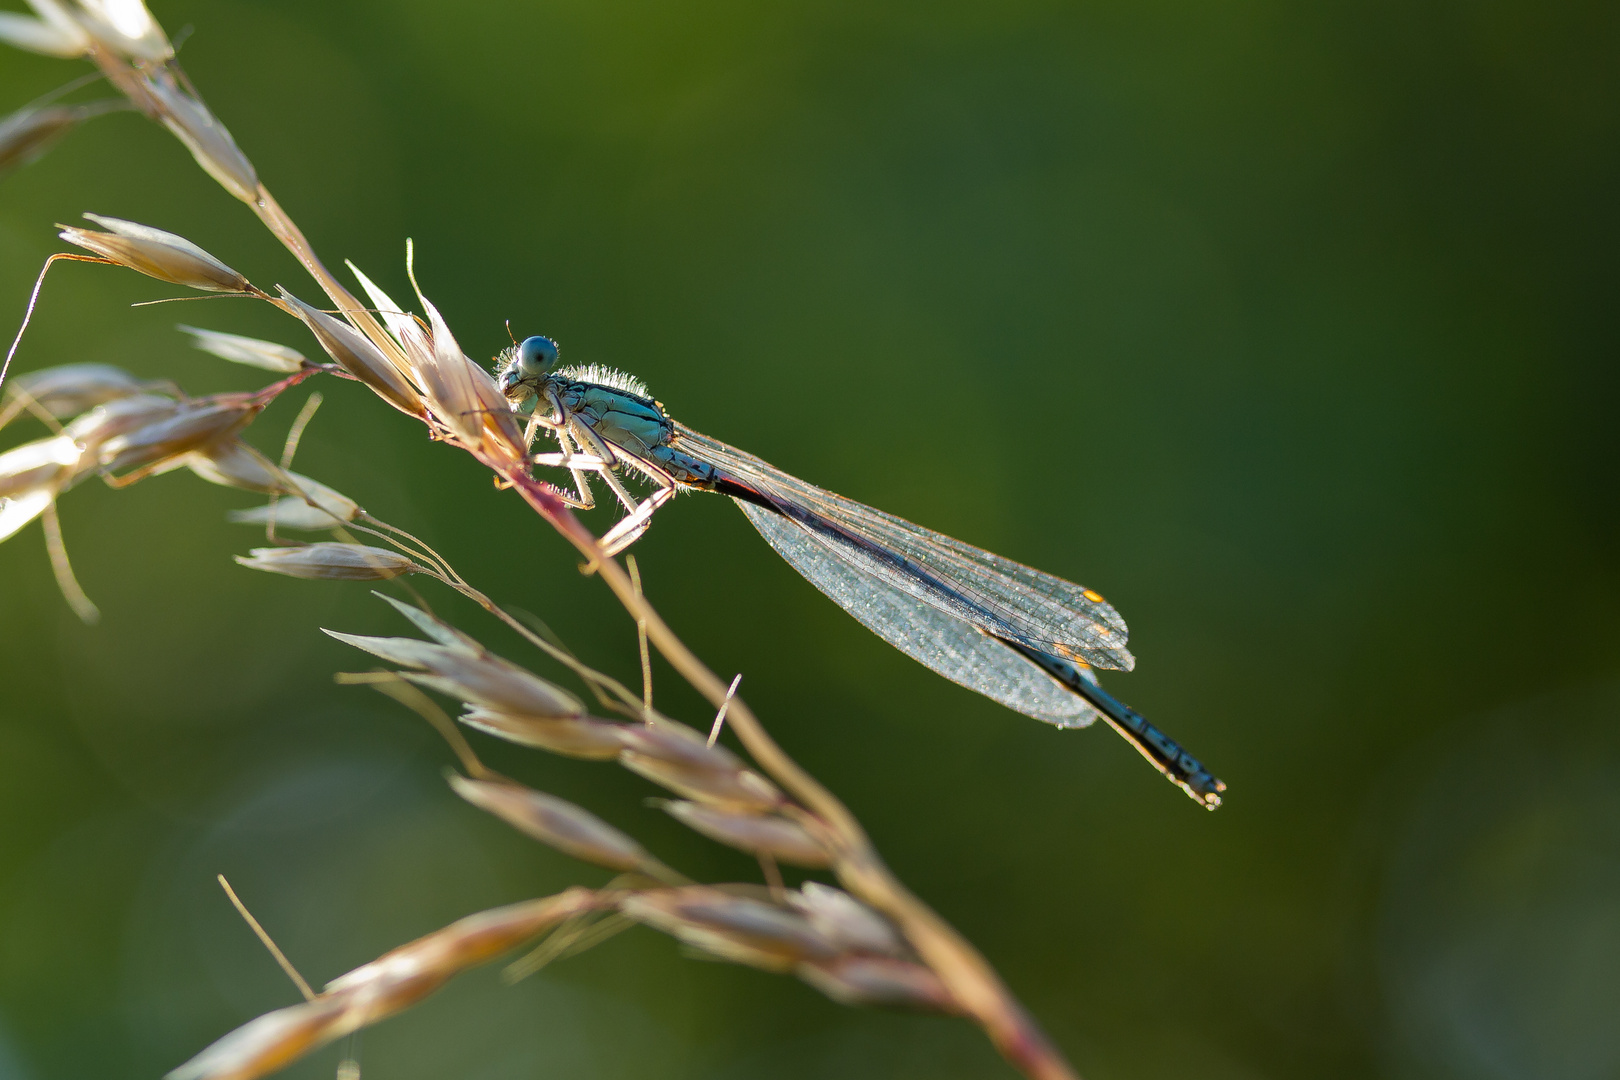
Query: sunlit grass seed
[(43, 463), (732, 927), (474, 676), (878, 981), (845, 920), (783, 840), (330, 561), (375, 991), (742, 789), (71, 389), (579, 737), (115, 418), (555, 822), (26, 135), (310, 503), (190, 426), (254, 352), (54, 33), (126, 27), (157, 254), (201, 132), (358, 356)]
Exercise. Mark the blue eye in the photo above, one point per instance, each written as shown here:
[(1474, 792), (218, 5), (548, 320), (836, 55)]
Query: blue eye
[(537, 355)]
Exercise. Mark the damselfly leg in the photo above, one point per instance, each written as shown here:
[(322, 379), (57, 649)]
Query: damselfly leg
[(583, 452)]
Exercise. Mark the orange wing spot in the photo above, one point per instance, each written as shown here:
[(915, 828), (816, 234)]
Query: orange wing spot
[(1094, 596)]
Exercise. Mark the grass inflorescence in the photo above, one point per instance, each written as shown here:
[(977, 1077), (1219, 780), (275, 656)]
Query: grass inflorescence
[(868, 942)]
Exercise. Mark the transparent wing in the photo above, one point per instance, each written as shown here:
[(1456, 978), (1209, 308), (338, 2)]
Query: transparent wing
[(984, 590), (935, 638)]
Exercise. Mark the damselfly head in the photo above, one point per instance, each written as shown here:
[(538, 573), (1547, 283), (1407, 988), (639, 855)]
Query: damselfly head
[(525, 364), (537, 355)]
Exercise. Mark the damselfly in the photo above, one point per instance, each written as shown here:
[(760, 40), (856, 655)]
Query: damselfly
[(1026, 639)]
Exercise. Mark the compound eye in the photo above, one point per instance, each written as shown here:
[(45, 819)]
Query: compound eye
[(537, 355)]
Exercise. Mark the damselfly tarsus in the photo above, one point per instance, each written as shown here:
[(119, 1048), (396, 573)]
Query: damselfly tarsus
[(1021, 637)]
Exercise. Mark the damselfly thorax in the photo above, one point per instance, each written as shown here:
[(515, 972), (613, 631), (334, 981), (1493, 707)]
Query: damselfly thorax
[(1015, 634)]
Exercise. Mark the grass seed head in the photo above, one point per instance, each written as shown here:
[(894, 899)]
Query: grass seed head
[(467, 399), (202, 133), (44, 463), (26, 135), (358, 356), (116, 417), (190, 426), (22, 507), (473, 675), (879, 981), (127, 28), (680, 745), (496, 684), (330, 561), (845, 920), (732, 927), (245, 350), (229, 462), (785, 841), (70, 389), (375, 991), (411, 971), (554, 822), (740, 790), (54, 33), (290, 513), (32, 475), (435, 628), (578, 737), (403, 327), (157, 254), (269, 1042)]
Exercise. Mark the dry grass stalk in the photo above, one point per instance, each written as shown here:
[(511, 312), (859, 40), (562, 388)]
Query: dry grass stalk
[(880, 944)]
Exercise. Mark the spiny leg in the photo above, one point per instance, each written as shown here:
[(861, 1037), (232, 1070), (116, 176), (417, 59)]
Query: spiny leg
[(562, 424), (586, 436), (630, 528)]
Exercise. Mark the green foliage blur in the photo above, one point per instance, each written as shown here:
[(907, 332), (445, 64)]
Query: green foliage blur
[(1289, 327)]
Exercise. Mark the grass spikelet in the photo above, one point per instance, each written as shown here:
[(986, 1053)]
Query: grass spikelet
[(157, 254), (330, 561)]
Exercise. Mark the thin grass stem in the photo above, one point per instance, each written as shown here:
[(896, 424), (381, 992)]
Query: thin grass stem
[(81, 604), (641, 641), (296, 433), (33, 299), (267, 941)]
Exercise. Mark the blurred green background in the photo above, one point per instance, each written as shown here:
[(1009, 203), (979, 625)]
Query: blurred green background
[(1290, 327)]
